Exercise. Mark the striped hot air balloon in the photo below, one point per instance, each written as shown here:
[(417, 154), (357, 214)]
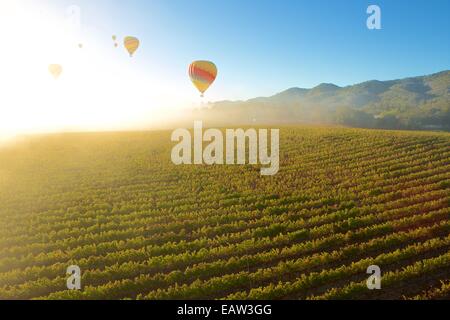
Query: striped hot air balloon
[(131, 44), (202, 74)]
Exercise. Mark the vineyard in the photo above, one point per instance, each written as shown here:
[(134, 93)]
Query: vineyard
[(140, 227)]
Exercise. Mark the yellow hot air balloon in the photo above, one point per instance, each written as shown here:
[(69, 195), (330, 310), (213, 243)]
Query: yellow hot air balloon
[(55, 70), (131, 44), (202, 74)]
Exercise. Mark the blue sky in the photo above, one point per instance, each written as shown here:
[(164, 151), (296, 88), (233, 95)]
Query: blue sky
[(265, 46), (261, 47)]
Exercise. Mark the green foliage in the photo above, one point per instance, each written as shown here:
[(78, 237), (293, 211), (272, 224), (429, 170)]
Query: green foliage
[(140, 227), (419, 103)]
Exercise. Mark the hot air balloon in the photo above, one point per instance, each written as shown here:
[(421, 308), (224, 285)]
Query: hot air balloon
[(115, 43), (131, 44), (55, 70), (202, 74)]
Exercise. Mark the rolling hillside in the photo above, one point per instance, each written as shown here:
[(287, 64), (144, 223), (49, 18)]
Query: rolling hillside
[(411, 103), (140, 227)]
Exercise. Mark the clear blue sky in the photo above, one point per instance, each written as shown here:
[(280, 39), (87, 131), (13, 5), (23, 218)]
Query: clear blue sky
[(265, 46), (261, 47)]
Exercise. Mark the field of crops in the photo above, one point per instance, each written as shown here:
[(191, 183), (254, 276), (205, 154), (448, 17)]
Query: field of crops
[(140, 227)]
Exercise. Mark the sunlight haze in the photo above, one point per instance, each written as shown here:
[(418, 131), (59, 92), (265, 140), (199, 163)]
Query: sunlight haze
[(260, 48), (100, 88)]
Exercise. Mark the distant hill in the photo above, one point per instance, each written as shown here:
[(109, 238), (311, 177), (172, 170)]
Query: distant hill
[(410, 103)]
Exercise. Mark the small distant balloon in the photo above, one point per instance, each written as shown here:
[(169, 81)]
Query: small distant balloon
[(55, 70), (131, 44), (202, 74), (115, 42), (80, 45)]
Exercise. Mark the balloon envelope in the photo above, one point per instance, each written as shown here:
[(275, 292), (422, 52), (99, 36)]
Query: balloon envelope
[(55, 70), (131, 44), (202, 74)]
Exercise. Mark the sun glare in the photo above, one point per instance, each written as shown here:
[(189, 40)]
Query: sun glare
[(100, 86)]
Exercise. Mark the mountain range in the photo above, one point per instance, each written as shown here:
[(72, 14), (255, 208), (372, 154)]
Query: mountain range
[(412, 103)]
